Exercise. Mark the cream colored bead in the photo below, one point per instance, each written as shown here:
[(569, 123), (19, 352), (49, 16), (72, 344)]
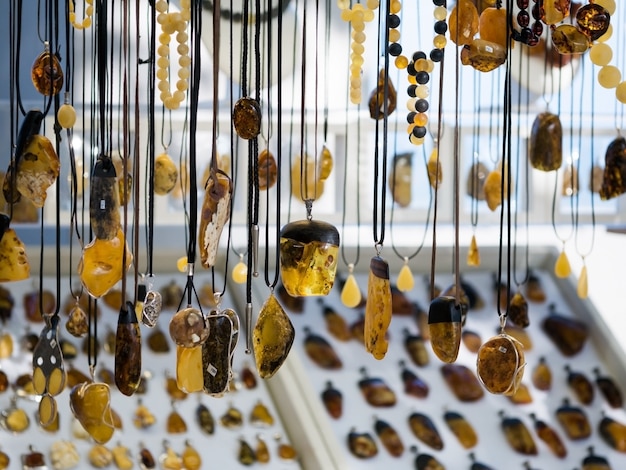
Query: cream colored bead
[(601, 54), (440, 13), (606, 36), (164, 38), (161, 6), (609, 5), (163, 50), (343, 4), (164, 85), (609, 76), (162, 74)]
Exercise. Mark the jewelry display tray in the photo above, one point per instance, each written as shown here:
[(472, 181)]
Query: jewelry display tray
[(300, 382), (219, 450)]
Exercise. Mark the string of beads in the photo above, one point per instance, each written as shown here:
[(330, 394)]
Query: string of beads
[(86, 22)]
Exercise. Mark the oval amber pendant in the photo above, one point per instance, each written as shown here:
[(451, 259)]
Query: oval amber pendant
[(127, 351), (104, 202), (351, 293), (500, 364), (47, 73), (247, 118), (444, 324), (562, 267), (399, 180), (582, 287), (268, 171), (165, 174), (614, 178), (405, 281), (378, 308), (593, 20)]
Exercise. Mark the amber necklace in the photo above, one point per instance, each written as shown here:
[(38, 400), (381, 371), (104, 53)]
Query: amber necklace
[(475, 177)]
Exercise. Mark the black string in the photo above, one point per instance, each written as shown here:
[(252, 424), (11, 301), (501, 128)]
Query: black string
[(151, 146), (475, 157)]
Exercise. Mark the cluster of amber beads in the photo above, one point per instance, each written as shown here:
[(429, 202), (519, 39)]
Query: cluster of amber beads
[(487, 51), (173, 23), (393, 22), (358, 15), (86, 21), (419, 75)]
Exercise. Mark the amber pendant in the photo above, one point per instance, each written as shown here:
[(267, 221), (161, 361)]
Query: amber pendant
[(14, 419), (383, 98), (351, 293), (326, 163), (493, 189), (15, 265), (205, 420), (462, 382), (121, 457), (268, 171), (38, 168), (573, 420), (46, 73), (424, 429), (246, 455), (434, 170), (517, 435), (247, 118), (77, 323), (582, 287), (48, 367), (260, 416), (333, 401), (5, 461), (475, 185), (376, 392), (214, 215), (562, 268), (378, 308), (416, 349), (127, 351), (6, 299), (521, 396), (157, 342), (248, 377), (171, 387), (232, 418), (593, 20), (320, 351), (189, 328), (580, 385), (169, 459), (595, 462), (175, 423), (464, 21), (189, 369), (389, 437), (473, 255), (534, 289), (362, 445), (262, 452), (91, 405), (309, 250), (444, 324), (218, 349), (405, 282), (461, 428), (272, 338), (567, 39), (542, 375), (613, 433), (609, 389), (104, 200), (500, 364), (614, 179), (100, 456), (425, 461), (553, 11), (471, 340), (550, 437), (143, 417), (39, 304), (285, 451), (399, 180), (568, 334), (478, 465), (518, 310), (33, 460), (306, 183), (336, 324), (413, 385)]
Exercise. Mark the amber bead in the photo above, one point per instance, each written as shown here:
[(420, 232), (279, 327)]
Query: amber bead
[(47, 73), (593, 20), (362, 445), (378, 308), (389, 437), (463, 22), (614, 179), (272, 338), (214, 215), (461, 428), (247, 118)]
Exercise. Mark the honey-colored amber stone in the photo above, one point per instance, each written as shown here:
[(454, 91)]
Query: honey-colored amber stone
[(100, 456), (473, 255), (143, 417), (247, 118), (582, 289), (121, 457), (14, 265), (483, 55), (6, 345), (405, 282), (562, 268), (425, 430), (232, 418), (362, 445), (521, 396), (100, 266), (518, 436), (321, 352), (268, 171), (574, 421), (378, 308), (5, 461), (377, 393), (15, 420), (389, 437), (435, 173), (416, 349), (613, 433), (462, 382), (461, 428), (272, 338), (188, 328), (471, 340), (191, 458), (66, 116), (614, 179), (165, 174), (261, 451), (549, 436), (384, 90), (37, 169), (580, 385), (77, 324), (175, 423), (492, 25), (260, 416), (214, 215), (399, 180), (553, 11), (351, 293), (91, 405), (336, 324), (463, 22), (518, 310), (326, 163), (542, 375), (332, 399), (170, 460), (609, 389), (189, 369), (444, 325), (47, 73), (500, 364), (593, 20), (567, 39), (493, 189)]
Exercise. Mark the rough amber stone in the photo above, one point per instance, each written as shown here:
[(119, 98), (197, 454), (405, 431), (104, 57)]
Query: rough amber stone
[(518, 436), (362, 445), (247, 118), (483, 55), (100, 266), (568, 334), (553, 11), (444, 325), (389, 437), (549, 436), (188, 328), (492, 25), (399, 179), (268, 171), (127, 351), (170, 460), (143, 417), (542, 375), (14, 265), (47, 73), (309, 250), (463, 22), (91, 405), (461, 428), (321, 352), (593, 20), (574, 421), (384, 90), (100, 456), (500, 364), (260, 416), (336, 324), (37, 169), (567, 39), (214, 215), (462, 382), (378, 308), (272, 338), (15, 420), (614, 180), (121, 457), (6, 345), (165, 174)]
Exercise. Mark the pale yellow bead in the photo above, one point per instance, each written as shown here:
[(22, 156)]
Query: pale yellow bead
[(606, 36), (184, 61), (161, 6), (182, 85), (163, 50), (240, 273), (180, 26), (395, 6), (368, 15), (562, 267), (422, 91), (609, 5), (162, 74), (357, 48), (185, 15), (346, 15), (171, 104), (421, 65), (440, 13), (351, 294), (609, 76), (168, 28), (66, 116), (410, 104), (439, 41), (358, 16), (164, 95), (601, 54), (373, 4), (164, 38), (184, 73), (179, 96), (358, 36), (163, 62), (358, 61), (343, 4), (161, 18), (620, 92), (416, 140), (89, 10), (185, 4), (163, 85), (360, 26), (182, 37), (405, 282), (183, 49)]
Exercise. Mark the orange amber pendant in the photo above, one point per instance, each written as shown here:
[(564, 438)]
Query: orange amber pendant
[(614, 178), (47, 73), (463, 22), (500, 364), (444, 324), (518, 436), (378, 308)]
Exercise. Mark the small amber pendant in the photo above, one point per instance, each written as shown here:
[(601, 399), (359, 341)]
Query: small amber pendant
[(400, 178), (189, 328), (175, 423), (562, 267), (534, 289), (143, 417), (14, 419), (232, 418), (247, 118), (595, 462), (239, 274), (285, 451), (33, 460), (214, 215), (483, 55), (434, 170), (336, 324), (478, 465), (38, 167), (248, 377), (165, 174), (378, 308), (389, 437), (205, 420), (609, 389), (471, 340), (518, 310), (100, 456), (517, 435), (91, 405), (405, 282), (326, 163), (461, 428), (416, 349), (127, 351), (413, 385), (260, 416), (157, 342), (573, 420), (613, 433), (500, 364), (77, 323), (580, 385), (121, 457), (262, 452), (593, 20), (189, 369), (5, 461), (362, 445), (104, 200), (47, 411), (568, 39), (376, 392), (568, 334), (46, 73), (521, 396), (48, 368), (614, 178), (246, 454), (425, 461), (170, 460), (493, 189), (425, 430), (542, 375), (444, 324), (549, 436), (462, 382), (309, 250), (218, 349), (582, 286), (272, 338), (473, 255), (383, 97), (333, 401), (15, 265), (268, 171), (320, 351), (171, 387)]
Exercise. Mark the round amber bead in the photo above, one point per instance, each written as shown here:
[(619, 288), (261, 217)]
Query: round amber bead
[(373, 4), (609, 5), (343, 4), (421, 65), (420, 119), (368, 15), (395, 7), (609, 76), (346, 15), (358, 36), (601, 54), (409, 128), (412, 79), (66, 116), (394, 35), (401, 62), (620, 92), (439, 41), (416, 140), (606, 36), (440, 13), (410, 104)]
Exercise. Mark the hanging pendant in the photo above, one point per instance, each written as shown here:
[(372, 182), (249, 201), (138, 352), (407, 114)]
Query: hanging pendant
[(189, 369), (232, 418), (568, 334), (595, 462), (262, 452), (189, 328), (549, 436), (326, 163), (517, 435), (239, 274), (376, 392), (321, 351), (268, 170), (272, 338), (336, 324), (582, 286), (534, 289), (333, 401), (562, 267), (473, 255), (444, 325), (5, 461), (14, 419), (152, 304), (214, 215), (165, 174), (127, 351), (546, 139), (389, 437), (493, 188), (434, 170), (580, 385), (424, 429), (15, 265), (383, 91), (143, 417), (247, 118), (405, 282), (574, 421), (104, 200), (77, 323), (413, 385), (91, 405), (175, 423), (246, 455), (248, 377), (260, 416), (399, 180), (205, 419), (521, 396), (169, 459), (462, 382), (461, 429), (306, 183), (476, 181), (362, 445), (48, 367), (378, 308), (609, 389), (46, 72), (518, 310), (500, 364), (351, 293), (191, 458), (309, 250), (218, 349)]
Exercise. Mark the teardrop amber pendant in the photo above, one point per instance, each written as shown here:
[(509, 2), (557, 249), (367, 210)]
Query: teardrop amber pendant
[(205, 419), (143, 417), (246, 456), (175, 423), (562, 267), (14, 419), (240, 272), (285, 450), (262, 452), (333, 401), (542, 375), (378, 308), (232, 419), (493, 189), (268, 171), (549, 436), (170, 460), (444, 324), (582, 286), (473, 255), (351, 293), (405, 282), (260, 415), (272, 338), (435, 172)]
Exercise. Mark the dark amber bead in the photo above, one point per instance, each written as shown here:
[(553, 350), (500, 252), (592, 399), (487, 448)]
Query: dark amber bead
[(593, 20)]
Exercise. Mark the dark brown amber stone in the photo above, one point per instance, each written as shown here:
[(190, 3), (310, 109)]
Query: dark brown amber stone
[(248, 377), (593, 20), (158, 342), (471, 340), (400, 303), (205, 419), (333, 401), (416, 349), (595, 462), (568, 334), (574, 421), (614, 180), (247, 118), (413, 385), (475, 186), (377, 393), (518, 310), (47, 74), (384, 90), (321, 352), (104, 203), (216, 354), (518, 436), (609, 389), (4, 381), (580, 385), (546, 140), (171, 294), (424, 429), (444, 324), (246, 453), (32, 304), (128, 351), (362, 445), (462, 382), (427, 462), (268, 171), (6, 304), (146, 459), (549, 436), (389, 437)]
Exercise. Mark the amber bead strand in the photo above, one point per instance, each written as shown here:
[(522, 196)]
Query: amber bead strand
[(394, 47), (528, 35)]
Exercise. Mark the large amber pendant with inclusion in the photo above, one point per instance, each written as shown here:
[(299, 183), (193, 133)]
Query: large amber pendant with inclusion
[(272, 338), (214, 216), (378, 308), (308, 257), (444, 325)]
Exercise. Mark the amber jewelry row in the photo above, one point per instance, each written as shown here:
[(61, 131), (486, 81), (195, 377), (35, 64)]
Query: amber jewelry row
[(419, 70)]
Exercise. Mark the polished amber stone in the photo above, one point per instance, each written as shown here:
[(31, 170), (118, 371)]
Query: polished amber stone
[(261, 451), (518, 310), (553, 11), (47, 73), (232, 418), (593, 20), (384, 90), (191, 458), (549, 436), (214, 215), (127, 351), (332, 399), (33, 302), (321, 351), (580, 385), (500, 364), (362, 445), (189, 369), (170, 460), (100, 456), (104, 201), (378, 308), (165, 174), (246, 455), (91, 405), (444, 325), (567, 39), (272, 338), (268, 171), (326, 163), (613, 433), (473, 255), (471, 340), (582, 289), (614, 179), (247, 118), (493, 189), (492, 26), (37, 169), (413, 385), (205, 419), (461, 428), (171, 387), (77, 324), (377, 393), (609, 389), (574, 421), (462, 382), (121, 457), (100, 266), (568, 334), (463, 22), (336, 324), (175, 423), (416, 349), (425, 430), (435, 172), (518, 436), (389, 437), (260, 416), (542, 375), (351, 295), (483, 55), (188, 328), (15, 420), (5, 461), (405, 282), (399, 180)]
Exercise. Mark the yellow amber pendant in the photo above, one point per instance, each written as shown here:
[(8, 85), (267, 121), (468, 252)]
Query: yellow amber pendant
[(262, 451), (47, 73), (351, 293), (473, 255), (444, 325), (6, 345), (378, 308), (214, 215), (143, 417), (493, 189), (260, 416), (435, 175), (182, 263), (240, 271), (5, 461), (463, 22), (121, 457), (272, 338), (492, 26), (165, 174), (14, 419), (91, 406), (66, 116), (286, 451), (189, 369), (191, 458), (175, 423), (500, 364), (309, 250), (170, 460), (38, 168), (326, 163), (405, 282), (14, 264), (562, 267), (100, 266), (582, 287), (305, 179)]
